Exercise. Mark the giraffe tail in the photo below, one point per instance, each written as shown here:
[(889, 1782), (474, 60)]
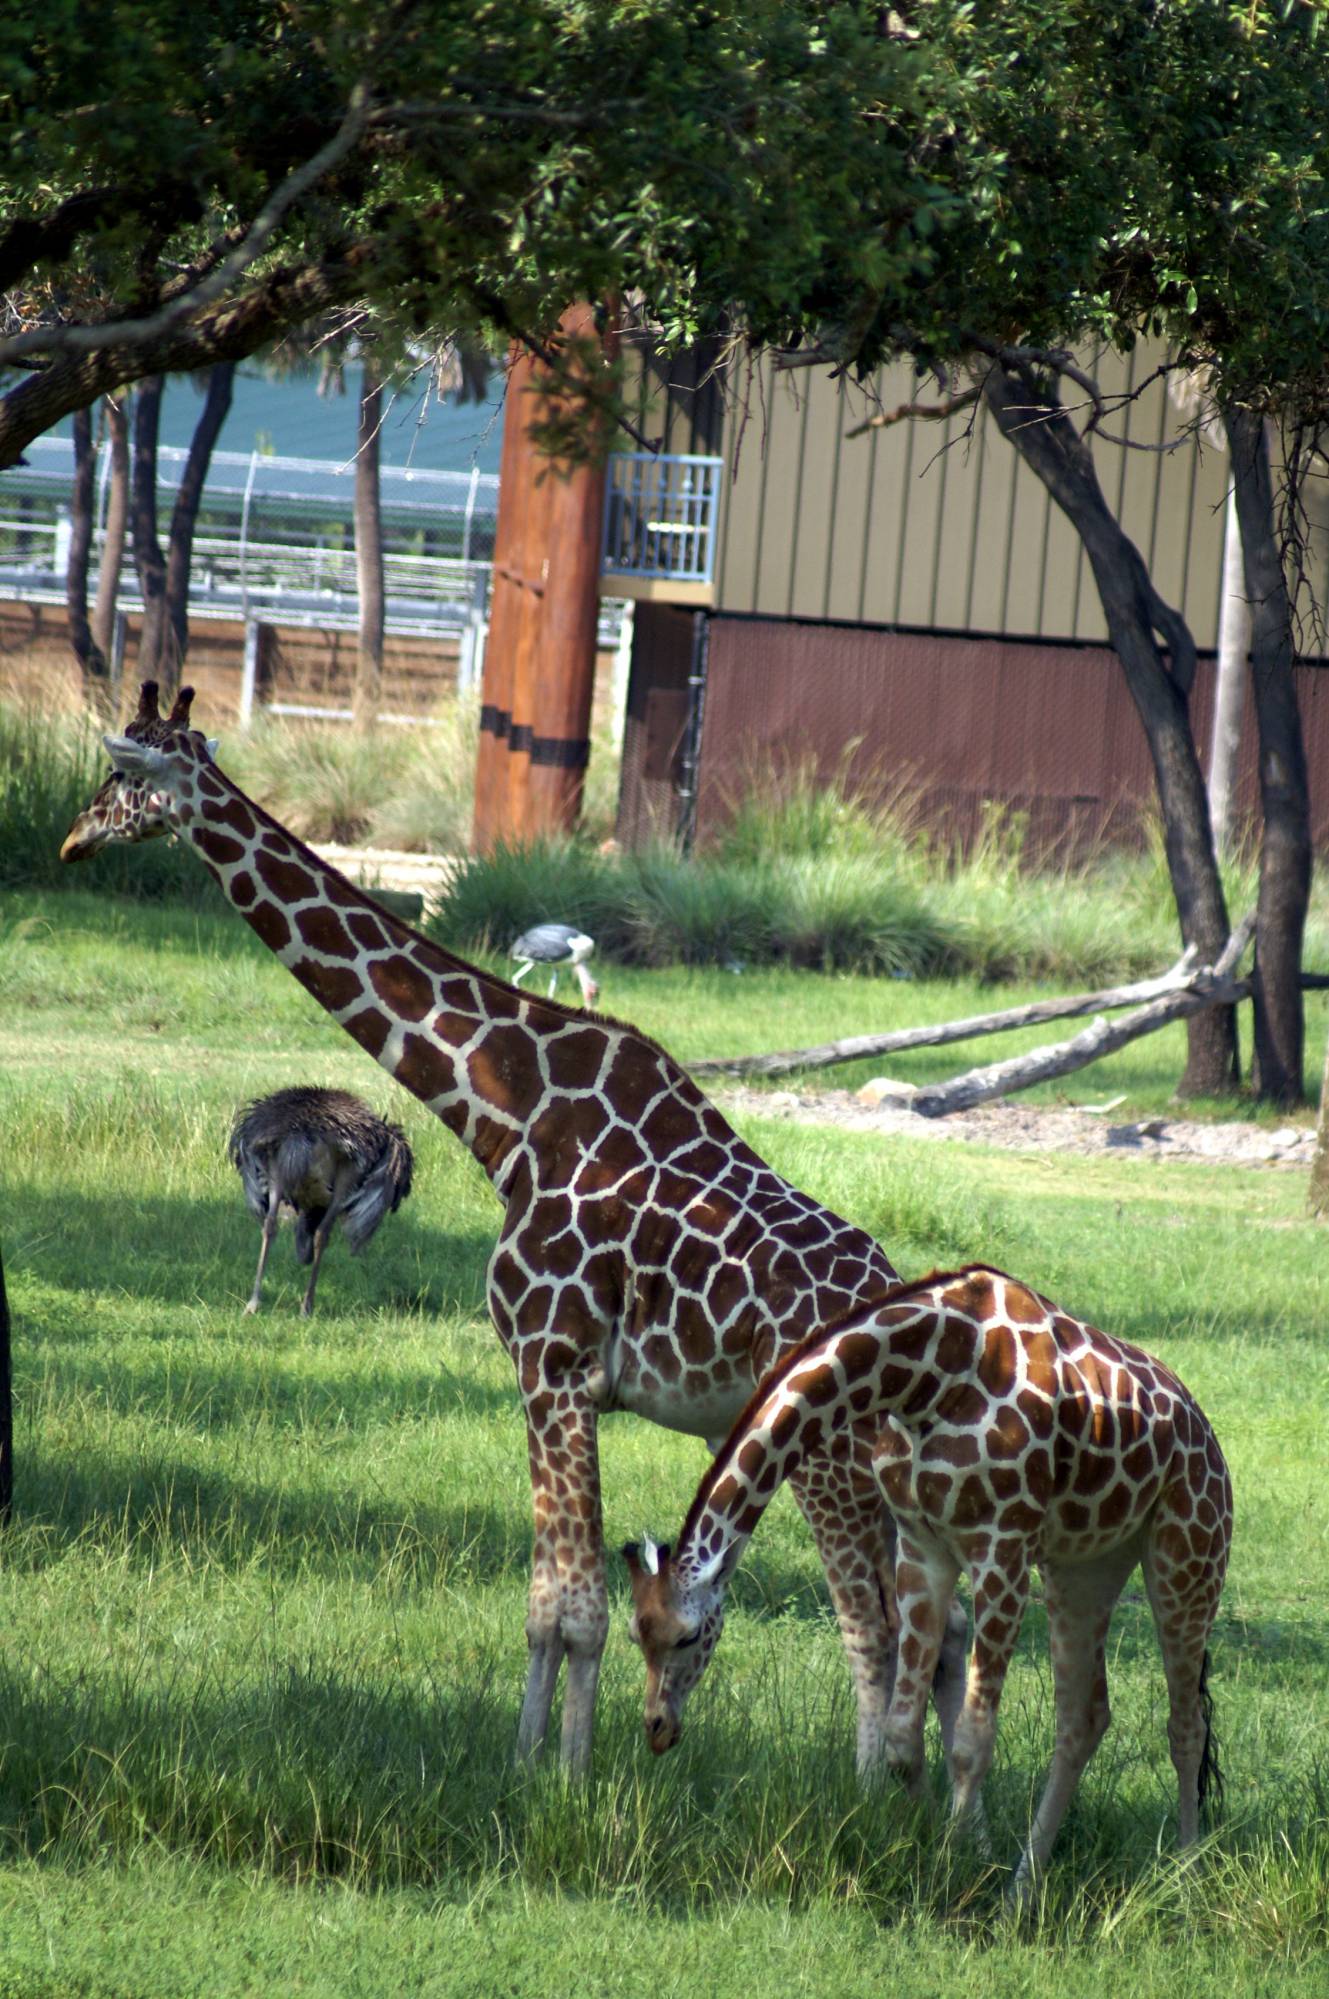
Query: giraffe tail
[(1210, 1784)]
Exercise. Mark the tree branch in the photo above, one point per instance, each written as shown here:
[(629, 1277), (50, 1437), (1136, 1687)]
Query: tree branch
[(142, 333), (1210, 986), (933, 412), (1024, 360), (940, 1034), (39, 239), (230, 332)]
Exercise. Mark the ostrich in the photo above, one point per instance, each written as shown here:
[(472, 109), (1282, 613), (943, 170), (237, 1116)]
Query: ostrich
[(556, 945), (324, 1154)]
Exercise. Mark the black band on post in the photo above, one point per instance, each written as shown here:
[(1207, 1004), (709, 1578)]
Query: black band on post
[(560, 752)]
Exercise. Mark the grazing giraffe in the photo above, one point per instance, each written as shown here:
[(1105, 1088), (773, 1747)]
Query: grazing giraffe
[(648, 1259), (1006, 1433)]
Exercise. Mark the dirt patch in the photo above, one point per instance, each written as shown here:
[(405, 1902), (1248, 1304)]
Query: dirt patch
[(1030, 1128)]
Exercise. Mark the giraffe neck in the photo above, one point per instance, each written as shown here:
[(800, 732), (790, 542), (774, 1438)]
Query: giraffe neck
[(421, 1012), (883, 1362)]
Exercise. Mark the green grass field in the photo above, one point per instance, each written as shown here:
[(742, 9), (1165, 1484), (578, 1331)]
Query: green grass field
[(264, 1592)]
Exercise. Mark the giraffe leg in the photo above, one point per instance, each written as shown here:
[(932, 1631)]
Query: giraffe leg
[(842, 1502), (1183, 1580), (855, 1539), (925, 1577), (1001, 1591), (1080, 1600), (269, 1231), (568, 1614)]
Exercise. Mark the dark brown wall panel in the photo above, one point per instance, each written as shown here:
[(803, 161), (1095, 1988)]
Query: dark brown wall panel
[(957, 724)]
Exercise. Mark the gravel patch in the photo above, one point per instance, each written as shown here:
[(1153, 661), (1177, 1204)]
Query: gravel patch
[(1027, 1128)]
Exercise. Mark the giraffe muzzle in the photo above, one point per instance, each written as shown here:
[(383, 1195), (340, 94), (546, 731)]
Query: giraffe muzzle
[(662, 1731), (79, 843)]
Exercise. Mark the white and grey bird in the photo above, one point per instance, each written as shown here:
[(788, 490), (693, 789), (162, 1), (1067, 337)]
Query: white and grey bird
[(557, 945), (325, 1155)]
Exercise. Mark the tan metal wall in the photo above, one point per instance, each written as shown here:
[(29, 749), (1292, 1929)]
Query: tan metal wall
[(920, 524)]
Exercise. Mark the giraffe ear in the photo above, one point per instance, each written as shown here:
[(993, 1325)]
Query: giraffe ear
[(650, 1556), (133, 759), (212, 745)]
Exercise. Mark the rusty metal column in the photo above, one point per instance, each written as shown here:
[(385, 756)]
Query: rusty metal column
[(540, 657), (563, 691), (505, 608)]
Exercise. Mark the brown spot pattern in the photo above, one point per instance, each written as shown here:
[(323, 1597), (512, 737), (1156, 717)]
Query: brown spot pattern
[(284, 878), (402, 986), (220, 848), (324, 931), (370, 1028), (333, 986), (271, 925)]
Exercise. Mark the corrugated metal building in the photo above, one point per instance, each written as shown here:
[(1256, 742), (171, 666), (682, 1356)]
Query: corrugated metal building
[(911, 591)]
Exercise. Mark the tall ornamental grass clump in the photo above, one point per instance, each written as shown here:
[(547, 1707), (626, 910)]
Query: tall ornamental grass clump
[(330, 783), (845, 913), (809, 872), (384, 787)]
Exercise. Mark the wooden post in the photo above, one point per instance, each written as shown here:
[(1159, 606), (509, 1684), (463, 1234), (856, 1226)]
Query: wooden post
[(539, 675), (505, 607)]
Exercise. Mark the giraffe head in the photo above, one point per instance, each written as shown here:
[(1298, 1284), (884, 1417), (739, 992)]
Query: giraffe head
[(677, 1618), (132, 804)]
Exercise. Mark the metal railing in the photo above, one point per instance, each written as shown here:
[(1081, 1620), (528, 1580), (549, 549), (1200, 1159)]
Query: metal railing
[(275, 544), (275, 537), (660, 516)]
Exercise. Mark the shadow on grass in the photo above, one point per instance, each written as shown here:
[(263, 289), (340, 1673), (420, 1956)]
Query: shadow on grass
[(156, 1249), (301, 1770), (172, 1511)]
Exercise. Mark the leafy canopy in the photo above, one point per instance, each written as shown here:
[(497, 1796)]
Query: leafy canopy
[(847, 177)]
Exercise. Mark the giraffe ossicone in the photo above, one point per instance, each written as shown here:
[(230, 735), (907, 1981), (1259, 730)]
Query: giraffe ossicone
[(1007, 1435), (648, 1260)]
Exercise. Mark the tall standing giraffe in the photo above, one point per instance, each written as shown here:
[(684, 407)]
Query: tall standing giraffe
[(648, 1259), (1005, 1434)]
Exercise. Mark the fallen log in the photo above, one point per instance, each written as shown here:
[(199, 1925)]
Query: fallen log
[(1206, 987), (941, 1032)]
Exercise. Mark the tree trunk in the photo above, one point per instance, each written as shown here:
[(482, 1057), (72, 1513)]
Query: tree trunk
[(368, 692), (91, 659), (1234, 639), (1157, 654), (117, 515), (154, 661), (1285, 851), (184, 514)]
